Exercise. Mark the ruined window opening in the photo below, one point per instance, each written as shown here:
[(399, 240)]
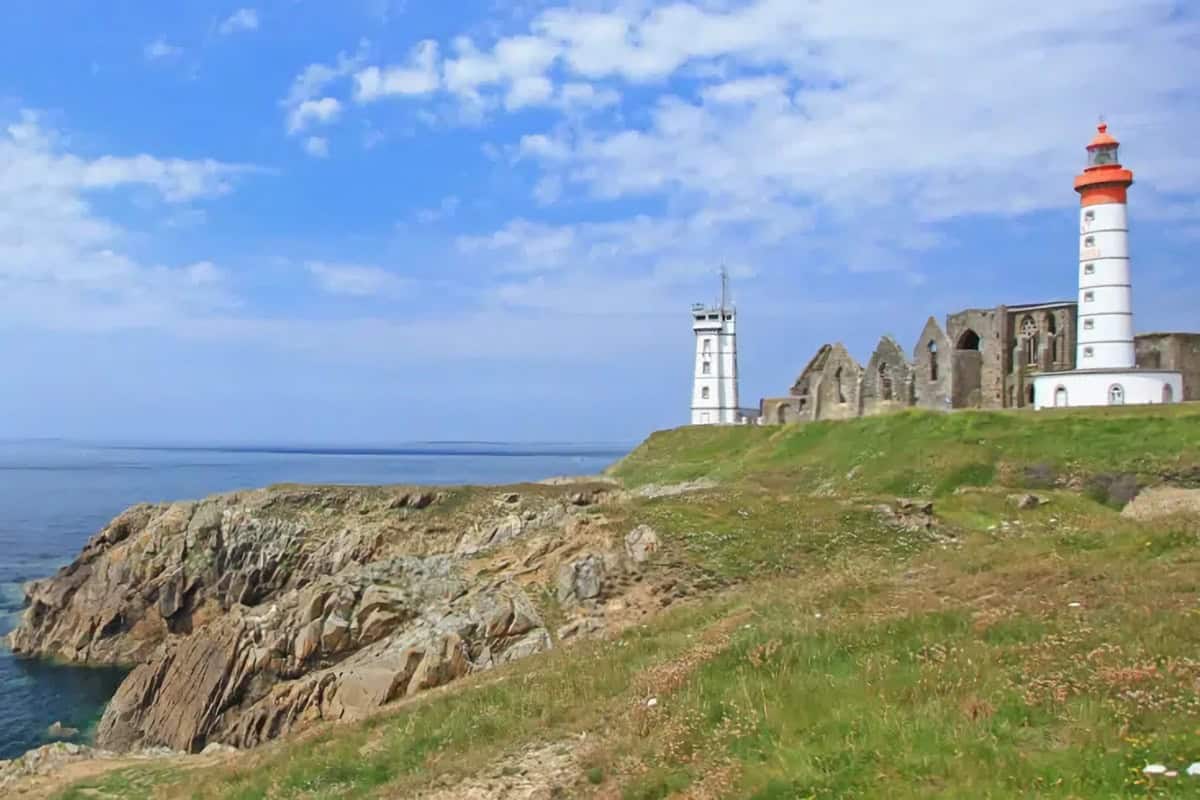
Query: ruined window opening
[(1116, 395), (933, 361), (841, 395), (1029, 395), (1029, 337), (885, 382)]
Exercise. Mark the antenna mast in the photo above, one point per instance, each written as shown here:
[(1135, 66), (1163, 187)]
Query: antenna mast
[(724, 287)]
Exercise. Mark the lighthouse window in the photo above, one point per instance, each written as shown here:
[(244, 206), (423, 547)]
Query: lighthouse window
[(704, 393), (1089, 215), (1089, 297), (1089, 241), (1088, 352), (1116, 395), (1089, 269), (1102, 155), (1088, 324), (707, 346), (706, 368)]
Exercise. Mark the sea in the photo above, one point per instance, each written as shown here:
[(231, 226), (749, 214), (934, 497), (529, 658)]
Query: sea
[(54, 495)]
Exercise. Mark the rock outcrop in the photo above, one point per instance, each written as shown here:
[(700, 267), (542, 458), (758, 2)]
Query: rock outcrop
[(250, 615)]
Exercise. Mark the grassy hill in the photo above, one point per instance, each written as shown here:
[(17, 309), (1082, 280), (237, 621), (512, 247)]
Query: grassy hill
[(834, 641)]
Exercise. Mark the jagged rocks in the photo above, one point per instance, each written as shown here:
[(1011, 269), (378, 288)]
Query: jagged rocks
[(44, 760), (909, 515), (1026, 502), (581, 580), (254, 614), (59, 731), (1163, 501), (641, 543)]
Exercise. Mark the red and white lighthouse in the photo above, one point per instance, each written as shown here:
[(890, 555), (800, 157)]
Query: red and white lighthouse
[(1105, 338), (1106, 371)]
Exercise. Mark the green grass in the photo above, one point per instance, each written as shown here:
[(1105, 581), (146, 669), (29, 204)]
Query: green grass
[(1049, 652), (919, 452)]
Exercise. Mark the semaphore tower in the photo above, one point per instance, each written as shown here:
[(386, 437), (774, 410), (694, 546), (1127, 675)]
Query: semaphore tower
[(715, 386)]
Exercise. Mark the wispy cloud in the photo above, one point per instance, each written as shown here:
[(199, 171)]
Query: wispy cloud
[(356, 280), (161, 49), (317, 146), (64, 266), (240, 21)]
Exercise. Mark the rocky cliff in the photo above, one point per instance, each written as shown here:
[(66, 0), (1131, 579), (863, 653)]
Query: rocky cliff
[(249, 615)]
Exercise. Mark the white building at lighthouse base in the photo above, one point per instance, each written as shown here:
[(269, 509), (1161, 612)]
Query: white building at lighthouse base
[(1113, 387)]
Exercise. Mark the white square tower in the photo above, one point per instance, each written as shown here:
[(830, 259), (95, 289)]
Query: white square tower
[(715, 386)]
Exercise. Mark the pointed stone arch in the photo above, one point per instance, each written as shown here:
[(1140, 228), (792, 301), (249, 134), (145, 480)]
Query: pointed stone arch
[(931, 367), (887, 378), (841, 385)]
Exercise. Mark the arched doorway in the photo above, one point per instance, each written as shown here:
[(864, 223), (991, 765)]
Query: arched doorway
[(1029, 395), (966, 375), (1060, 397), (782, 414), (1116, 395), (1168, 393)]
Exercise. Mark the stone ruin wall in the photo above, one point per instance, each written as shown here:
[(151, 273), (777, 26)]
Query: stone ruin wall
[(985, 358)]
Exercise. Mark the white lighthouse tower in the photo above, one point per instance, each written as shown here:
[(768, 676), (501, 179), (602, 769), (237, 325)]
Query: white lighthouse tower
[(715, 387), (1105, 360)]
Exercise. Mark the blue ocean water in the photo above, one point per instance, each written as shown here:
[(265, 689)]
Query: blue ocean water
[(55, 495)]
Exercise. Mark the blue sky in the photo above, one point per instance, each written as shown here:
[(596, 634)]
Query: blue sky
[(378, 221)]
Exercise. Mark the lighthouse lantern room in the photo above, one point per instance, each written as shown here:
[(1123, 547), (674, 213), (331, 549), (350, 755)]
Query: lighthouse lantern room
[(1106, 370)]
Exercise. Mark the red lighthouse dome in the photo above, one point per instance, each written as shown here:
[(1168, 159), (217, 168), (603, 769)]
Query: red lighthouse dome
[(1103, 180)]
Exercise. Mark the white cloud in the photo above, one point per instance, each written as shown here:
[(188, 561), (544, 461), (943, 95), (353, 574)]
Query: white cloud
[(313, 79), (576, 96), (355, 280), (539, 145), (445, 210), (748, 90), (62, 265), (320, 111), (306, 99), (244, 19), (317, 146), (530, 90), (416, 77), (525, 246), (160, 49)]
